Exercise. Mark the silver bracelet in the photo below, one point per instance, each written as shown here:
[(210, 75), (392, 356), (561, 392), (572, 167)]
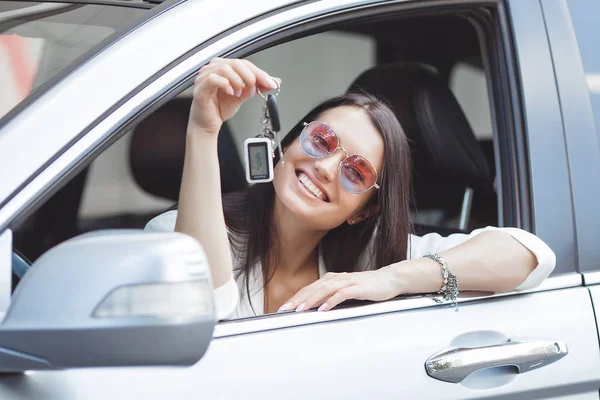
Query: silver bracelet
[(449, 292)]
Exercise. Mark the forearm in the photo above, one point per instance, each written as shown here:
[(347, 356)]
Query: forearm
[(491, 262), (200, 210)]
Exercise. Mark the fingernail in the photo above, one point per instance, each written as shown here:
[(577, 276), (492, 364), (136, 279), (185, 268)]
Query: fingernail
[(230, 91), (285, 307), (253, 91), (300, 307), (323, 307), (273, 84), (238, 92)]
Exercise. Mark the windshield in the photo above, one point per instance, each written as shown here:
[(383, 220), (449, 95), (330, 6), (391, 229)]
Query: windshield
[(38, 40)]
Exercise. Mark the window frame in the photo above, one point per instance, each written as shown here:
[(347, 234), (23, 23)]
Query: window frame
[(581, 135), (542, 180), (511, 146)]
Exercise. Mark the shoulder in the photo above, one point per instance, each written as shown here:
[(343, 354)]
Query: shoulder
[(164, 222)]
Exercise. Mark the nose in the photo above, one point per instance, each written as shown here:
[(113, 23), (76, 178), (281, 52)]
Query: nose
[(328, 167)]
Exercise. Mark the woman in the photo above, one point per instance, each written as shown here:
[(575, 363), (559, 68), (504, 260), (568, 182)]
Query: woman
[(339, 202)]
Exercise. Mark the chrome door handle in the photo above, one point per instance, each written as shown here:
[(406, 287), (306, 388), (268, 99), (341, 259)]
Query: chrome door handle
[(456, 363)]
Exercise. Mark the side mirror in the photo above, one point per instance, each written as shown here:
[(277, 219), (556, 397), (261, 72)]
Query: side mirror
[(111, 298)]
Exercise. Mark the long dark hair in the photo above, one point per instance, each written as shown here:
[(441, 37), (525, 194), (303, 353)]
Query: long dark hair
[(249, 214)]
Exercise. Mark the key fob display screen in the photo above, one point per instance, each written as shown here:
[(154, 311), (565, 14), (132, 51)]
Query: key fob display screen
[(257, 153), (259, 160)]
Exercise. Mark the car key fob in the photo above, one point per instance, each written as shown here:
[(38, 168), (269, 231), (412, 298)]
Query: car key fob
[(273, 113)]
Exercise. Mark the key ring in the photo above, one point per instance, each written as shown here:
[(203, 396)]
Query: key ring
[(276, 94), (266, 117)]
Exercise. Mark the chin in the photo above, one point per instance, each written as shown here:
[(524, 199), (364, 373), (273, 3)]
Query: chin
[(319, 214), (314, 216)]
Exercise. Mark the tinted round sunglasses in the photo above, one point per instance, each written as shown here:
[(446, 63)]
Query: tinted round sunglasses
[(357, 174)]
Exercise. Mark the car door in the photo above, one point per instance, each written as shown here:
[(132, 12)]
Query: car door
[(381, 350)]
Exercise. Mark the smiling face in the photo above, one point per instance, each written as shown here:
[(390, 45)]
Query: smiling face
[(311, 188)]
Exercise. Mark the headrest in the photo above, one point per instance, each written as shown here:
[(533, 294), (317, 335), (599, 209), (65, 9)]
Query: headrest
[(443, 144), (157, 150)]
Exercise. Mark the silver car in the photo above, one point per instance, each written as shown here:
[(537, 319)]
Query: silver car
[(94, 99)]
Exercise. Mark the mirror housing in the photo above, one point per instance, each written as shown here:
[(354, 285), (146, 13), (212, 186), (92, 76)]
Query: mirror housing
[(111, 298)]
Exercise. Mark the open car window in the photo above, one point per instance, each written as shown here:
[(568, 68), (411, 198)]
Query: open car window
[(138, 177)]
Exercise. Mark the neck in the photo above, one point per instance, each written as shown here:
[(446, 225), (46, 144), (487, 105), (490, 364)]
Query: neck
[(297, 243)]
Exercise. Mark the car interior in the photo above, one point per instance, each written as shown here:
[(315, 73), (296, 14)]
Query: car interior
[(428, 68)]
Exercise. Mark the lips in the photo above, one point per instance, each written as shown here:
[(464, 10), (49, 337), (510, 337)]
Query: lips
[(310, 186)]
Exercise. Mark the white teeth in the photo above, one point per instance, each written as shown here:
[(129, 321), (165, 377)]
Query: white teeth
[(310, 186)]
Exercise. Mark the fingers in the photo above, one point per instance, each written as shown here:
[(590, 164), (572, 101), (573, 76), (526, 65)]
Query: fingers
[(244, 77), (318, 292), (317, 296), (235, 79), (298, 301), (206, 78), (220, 88), (263, 80), (241, 78), (347, 293), (215, 81)]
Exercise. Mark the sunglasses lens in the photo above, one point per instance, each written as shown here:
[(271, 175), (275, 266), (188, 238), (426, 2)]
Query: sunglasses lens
[(318, 140), (357, 174)]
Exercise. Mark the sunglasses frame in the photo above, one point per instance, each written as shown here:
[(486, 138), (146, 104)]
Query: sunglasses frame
[(348, 155)]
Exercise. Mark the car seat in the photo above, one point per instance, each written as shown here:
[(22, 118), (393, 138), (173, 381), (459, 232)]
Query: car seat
[(158, 147), (449, 165)]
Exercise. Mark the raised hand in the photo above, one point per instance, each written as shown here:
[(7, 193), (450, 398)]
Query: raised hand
[(220, 88)]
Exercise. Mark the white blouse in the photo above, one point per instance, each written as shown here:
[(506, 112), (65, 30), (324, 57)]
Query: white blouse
[(230, 305)]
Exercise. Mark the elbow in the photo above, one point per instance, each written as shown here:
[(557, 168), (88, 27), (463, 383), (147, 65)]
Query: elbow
[(511, 282), (517, 261), (510, 278)]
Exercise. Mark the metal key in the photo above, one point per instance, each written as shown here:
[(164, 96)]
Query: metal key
[(274, 121), (273, 113)]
